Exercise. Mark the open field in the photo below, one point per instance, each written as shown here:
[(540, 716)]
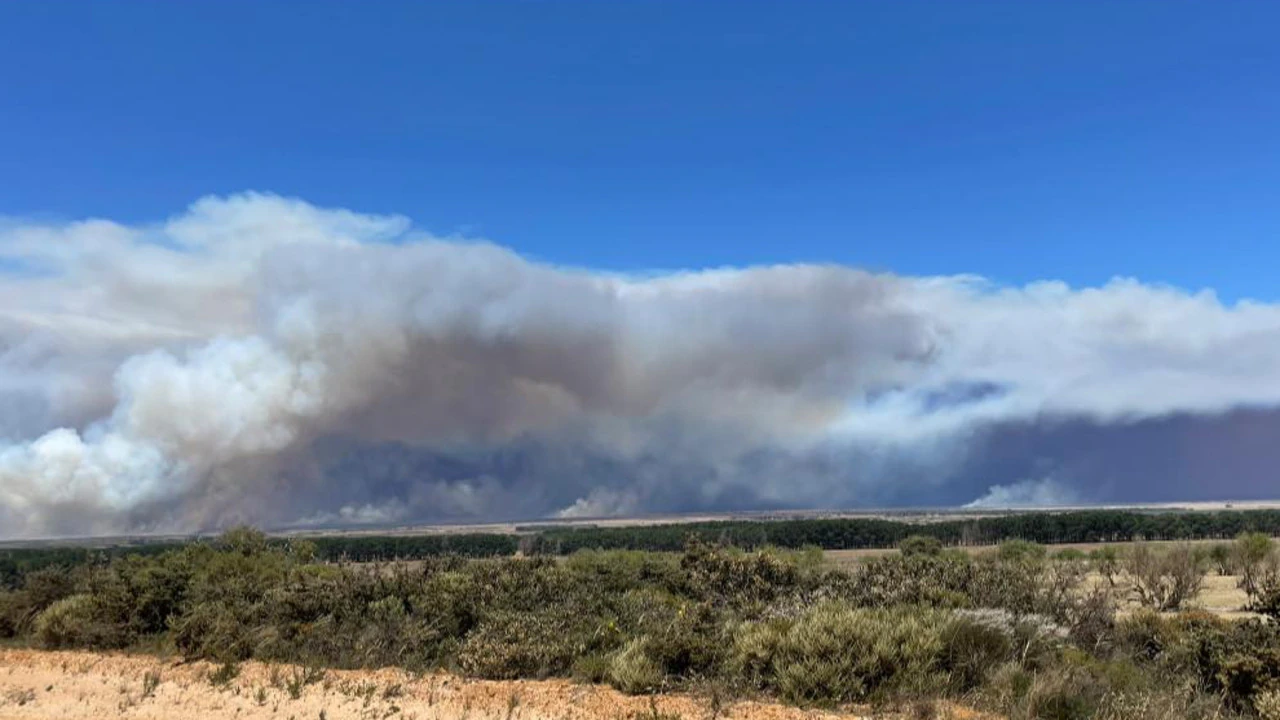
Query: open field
[(38, 685)]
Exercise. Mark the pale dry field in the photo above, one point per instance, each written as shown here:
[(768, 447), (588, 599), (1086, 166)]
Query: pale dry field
[(44, 685)]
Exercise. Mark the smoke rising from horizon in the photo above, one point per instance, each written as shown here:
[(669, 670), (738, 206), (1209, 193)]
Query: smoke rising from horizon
[(258, 359)]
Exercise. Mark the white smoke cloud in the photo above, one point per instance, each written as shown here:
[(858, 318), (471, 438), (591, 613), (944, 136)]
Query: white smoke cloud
[(1045, 492), (259, 359)]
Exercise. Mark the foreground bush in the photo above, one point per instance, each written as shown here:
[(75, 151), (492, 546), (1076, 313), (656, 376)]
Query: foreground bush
[(836, 653)]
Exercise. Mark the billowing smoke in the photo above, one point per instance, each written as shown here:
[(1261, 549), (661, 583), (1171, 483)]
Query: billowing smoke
[(259, 359)]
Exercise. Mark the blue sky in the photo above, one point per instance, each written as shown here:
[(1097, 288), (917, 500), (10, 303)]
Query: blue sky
[(1016, 140)]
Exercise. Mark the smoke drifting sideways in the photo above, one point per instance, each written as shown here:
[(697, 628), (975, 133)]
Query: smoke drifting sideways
[(258, 359)]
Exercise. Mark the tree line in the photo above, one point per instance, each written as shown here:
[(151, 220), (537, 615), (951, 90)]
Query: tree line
[(1085, 526)]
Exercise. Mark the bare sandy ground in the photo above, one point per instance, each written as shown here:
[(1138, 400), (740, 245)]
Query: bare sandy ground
[(82, 686)]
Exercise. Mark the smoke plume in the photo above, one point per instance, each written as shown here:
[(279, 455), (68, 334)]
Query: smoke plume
[(258, 359)]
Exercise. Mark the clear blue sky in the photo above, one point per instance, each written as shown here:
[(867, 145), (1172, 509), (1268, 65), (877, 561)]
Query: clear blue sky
[(1019, 140)]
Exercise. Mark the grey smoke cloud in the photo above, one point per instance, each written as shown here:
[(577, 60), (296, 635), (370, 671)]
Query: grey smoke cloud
[(259, 359)]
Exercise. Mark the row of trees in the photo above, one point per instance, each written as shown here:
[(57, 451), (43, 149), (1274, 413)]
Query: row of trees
[(854, 533)]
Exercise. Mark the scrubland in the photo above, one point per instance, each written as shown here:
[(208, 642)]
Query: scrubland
[(242, 625)]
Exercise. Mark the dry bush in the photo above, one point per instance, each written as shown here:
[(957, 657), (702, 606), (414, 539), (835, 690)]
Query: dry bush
[(1164, 580), (1254, 556), (1267, 705), (1252, 551), (1222, 557)]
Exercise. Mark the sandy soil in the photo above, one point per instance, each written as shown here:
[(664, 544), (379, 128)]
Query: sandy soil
[(84, 686)]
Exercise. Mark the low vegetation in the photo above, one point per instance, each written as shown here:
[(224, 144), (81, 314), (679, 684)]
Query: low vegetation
[(1016, 630), (1082, 526)]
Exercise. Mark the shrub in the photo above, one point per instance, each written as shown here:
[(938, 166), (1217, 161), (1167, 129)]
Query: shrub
[(936, 581), (1236, 660), (1143, 634), (1081, 687), (1164, 581), (40, 589), (836, 653), (692, 644), (1222, 557), (617, 571), (508, 645), (66, 622), (10, 611), (755, 645), (633, 668), (730, 578), (1252, 550), (920, 545), (1244, 663), (1266, 599), (150, 681), (1267, 705), (225, 673), (973, 645), (1106, 561), (1021, 551)]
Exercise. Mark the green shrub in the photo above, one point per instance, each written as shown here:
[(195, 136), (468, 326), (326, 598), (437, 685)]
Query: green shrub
[(920, 545), (40, 589), (975, 644), (1251, 551), (1266, 599), (617, 571), (755, 647), (1234, 660), (508, 645), (731, 578), (935, 581), (66, 622), (634, 670), (1021, 551), (10, 611), (592, 668), (836, 653), (1222, 557), (1144, 634)]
